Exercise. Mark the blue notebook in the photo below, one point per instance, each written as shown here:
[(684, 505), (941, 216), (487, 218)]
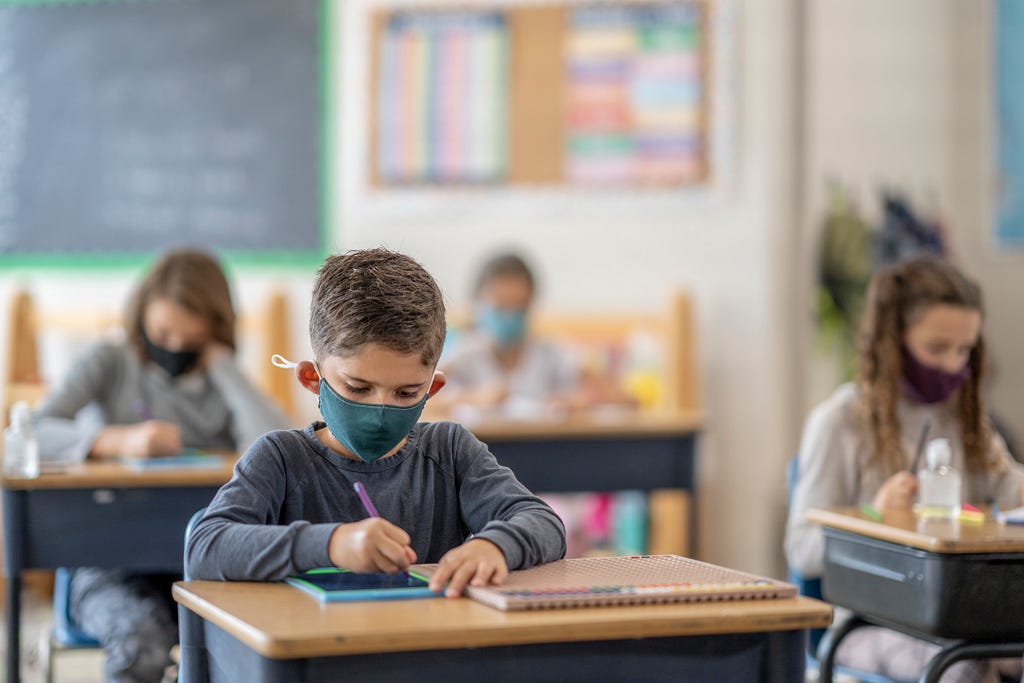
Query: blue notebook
[(188, 459), (334, 585)]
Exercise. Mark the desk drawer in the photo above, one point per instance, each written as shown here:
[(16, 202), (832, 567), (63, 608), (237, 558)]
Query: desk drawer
[(974, 596)]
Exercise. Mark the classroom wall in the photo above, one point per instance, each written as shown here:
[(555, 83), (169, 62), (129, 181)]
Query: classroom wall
[(734, 249), (618, 251)]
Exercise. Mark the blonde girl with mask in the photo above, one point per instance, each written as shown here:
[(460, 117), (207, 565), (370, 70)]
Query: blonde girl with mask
[(921, 359), (171, 384)]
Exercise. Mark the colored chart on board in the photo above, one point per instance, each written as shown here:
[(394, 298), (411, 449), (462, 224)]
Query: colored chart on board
[(441, 114), (634, 95)]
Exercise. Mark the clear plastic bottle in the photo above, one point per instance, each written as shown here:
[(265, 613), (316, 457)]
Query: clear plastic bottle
[(21, 450), (939, 485)]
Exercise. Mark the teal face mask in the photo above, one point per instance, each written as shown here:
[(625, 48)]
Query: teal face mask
[(369, 430), (506, 328)]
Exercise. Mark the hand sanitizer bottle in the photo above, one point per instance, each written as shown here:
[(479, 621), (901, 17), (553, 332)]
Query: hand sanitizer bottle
[(21, 450), (939, 485)]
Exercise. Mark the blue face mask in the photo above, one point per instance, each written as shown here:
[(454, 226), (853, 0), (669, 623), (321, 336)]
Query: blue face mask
[(369, 430), (505, 327)]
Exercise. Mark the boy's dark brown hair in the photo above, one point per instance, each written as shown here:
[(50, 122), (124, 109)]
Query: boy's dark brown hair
[(897, 298), (191, 279), (376, 296)]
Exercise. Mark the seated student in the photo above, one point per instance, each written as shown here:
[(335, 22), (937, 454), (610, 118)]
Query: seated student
[(499, 366), (377, 324), (921, 358), (172, 384)]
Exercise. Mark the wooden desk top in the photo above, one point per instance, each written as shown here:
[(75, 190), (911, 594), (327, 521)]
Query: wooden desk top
[(935, 535), (600, 423), (111, 474), (279, 621)]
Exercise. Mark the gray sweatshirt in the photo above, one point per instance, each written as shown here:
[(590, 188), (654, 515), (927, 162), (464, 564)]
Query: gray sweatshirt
[(290, 491), (216, 409), (832, 452)]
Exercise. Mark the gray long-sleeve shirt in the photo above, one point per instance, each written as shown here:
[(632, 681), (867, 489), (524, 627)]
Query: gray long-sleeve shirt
[(290, 491), (216, 409)]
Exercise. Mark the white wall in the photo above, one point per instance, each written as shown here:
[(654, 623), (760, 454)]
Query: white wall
[(733, 250)]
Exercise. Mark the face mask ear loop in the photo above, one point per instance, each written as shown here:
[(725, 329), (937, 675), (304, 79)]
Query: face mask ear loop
[(279, 361)]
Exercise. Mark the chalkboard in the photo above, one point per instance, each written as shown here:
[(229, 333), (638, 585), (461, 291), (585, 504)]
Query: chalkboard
[(127, 126)]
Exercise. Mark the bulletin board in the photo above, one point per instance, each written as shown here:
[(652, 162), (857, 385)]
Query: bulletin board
[(602, 94)]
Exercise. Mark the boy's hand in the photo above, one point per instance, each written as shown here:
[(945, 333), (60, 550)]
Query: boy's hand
[(476, 562), (371, 545)]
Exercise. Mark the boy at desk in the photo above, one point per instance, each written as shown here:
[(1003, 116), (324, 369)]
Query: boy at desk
[(377, 324)]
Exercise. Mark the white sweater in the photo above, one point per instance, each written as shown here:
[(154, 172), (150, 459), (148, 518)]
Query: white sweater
[(832, 452)]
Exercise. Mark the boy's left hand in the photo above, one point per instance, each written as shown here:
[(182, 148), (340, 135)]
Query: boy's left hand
[(476, 562)]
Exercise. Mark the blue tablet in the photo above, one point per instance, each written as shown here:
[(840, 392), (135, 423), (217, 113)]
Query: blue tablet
[(334, 585)]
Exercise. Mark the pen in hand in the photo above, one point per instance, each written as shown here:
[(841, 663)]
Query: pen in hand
[(368, 504), (920, 447), (363, 496)]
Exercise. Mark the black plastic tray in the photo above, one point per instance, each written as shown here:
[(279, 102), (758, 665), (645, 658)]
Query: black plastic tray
[(976, 596)]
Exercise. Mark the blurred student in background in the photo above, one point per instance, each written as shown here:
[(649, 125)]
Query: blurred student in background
[(921, 361), (497, 365), (172, 384)]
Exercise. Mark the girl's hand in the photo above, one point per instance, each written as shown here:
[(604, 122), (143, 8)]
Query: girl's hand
[(148, 439), (371, 545), (476, 562), (897, 493)]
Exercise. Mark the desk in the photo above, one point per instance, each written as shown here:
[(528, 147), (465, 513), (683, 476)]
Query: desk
[(273, 632), (940, 580), (609, 451), (97, 514)]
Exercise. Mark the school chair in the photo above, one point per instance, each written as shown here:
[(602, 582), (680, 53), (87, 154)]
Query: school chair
[(65, 633), (811, 587)]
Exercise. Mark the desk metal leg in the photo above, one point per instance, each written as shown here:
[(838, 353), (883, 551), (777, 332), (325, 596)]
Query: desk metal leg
[(14, 627), (951, 654), (829, 645)]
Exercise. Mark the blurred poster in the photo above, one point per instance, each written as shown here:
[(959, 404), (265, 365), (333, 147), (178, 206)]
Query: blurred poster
[(442, 97), (635, 95), (1009, 65)]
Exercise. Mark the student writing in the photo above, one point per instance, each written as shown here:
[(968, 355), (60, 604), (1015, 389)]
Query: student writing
[(921, 359), (377, 325)]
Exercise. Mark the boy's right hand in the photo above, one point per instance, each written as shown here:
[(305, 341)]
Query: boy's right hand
[(371, 545), (897, 493)]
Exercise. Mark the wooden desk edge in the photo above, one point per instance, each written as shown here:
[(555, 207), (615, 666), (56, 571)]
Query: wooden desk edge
[(626, 425), (117, 475), (791, 614), (851, 519)]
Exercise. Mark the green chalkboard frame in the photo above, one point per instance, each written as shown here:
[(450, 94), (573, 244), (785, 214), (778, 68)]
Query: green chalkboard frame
[(12, 264)]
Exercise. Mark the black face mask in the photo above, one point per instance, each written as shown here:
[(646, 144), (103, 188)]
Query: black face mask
[(174, 363)]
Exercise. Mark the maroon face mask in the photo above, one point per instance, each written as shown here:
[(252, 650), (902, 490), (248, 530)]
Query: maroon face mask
[(925, 384)]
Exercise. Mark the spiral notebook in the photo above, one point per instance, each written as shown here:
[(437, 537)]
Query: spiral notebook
[(634, 580)]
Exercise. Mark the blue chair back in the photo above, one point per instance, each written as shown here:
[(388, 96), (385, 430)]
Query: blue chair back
[(193, 520), (811, 587), (66, 632)]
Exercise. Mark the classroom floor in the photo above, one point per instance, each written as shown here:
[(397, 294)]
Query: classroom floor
[(73, 666)]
